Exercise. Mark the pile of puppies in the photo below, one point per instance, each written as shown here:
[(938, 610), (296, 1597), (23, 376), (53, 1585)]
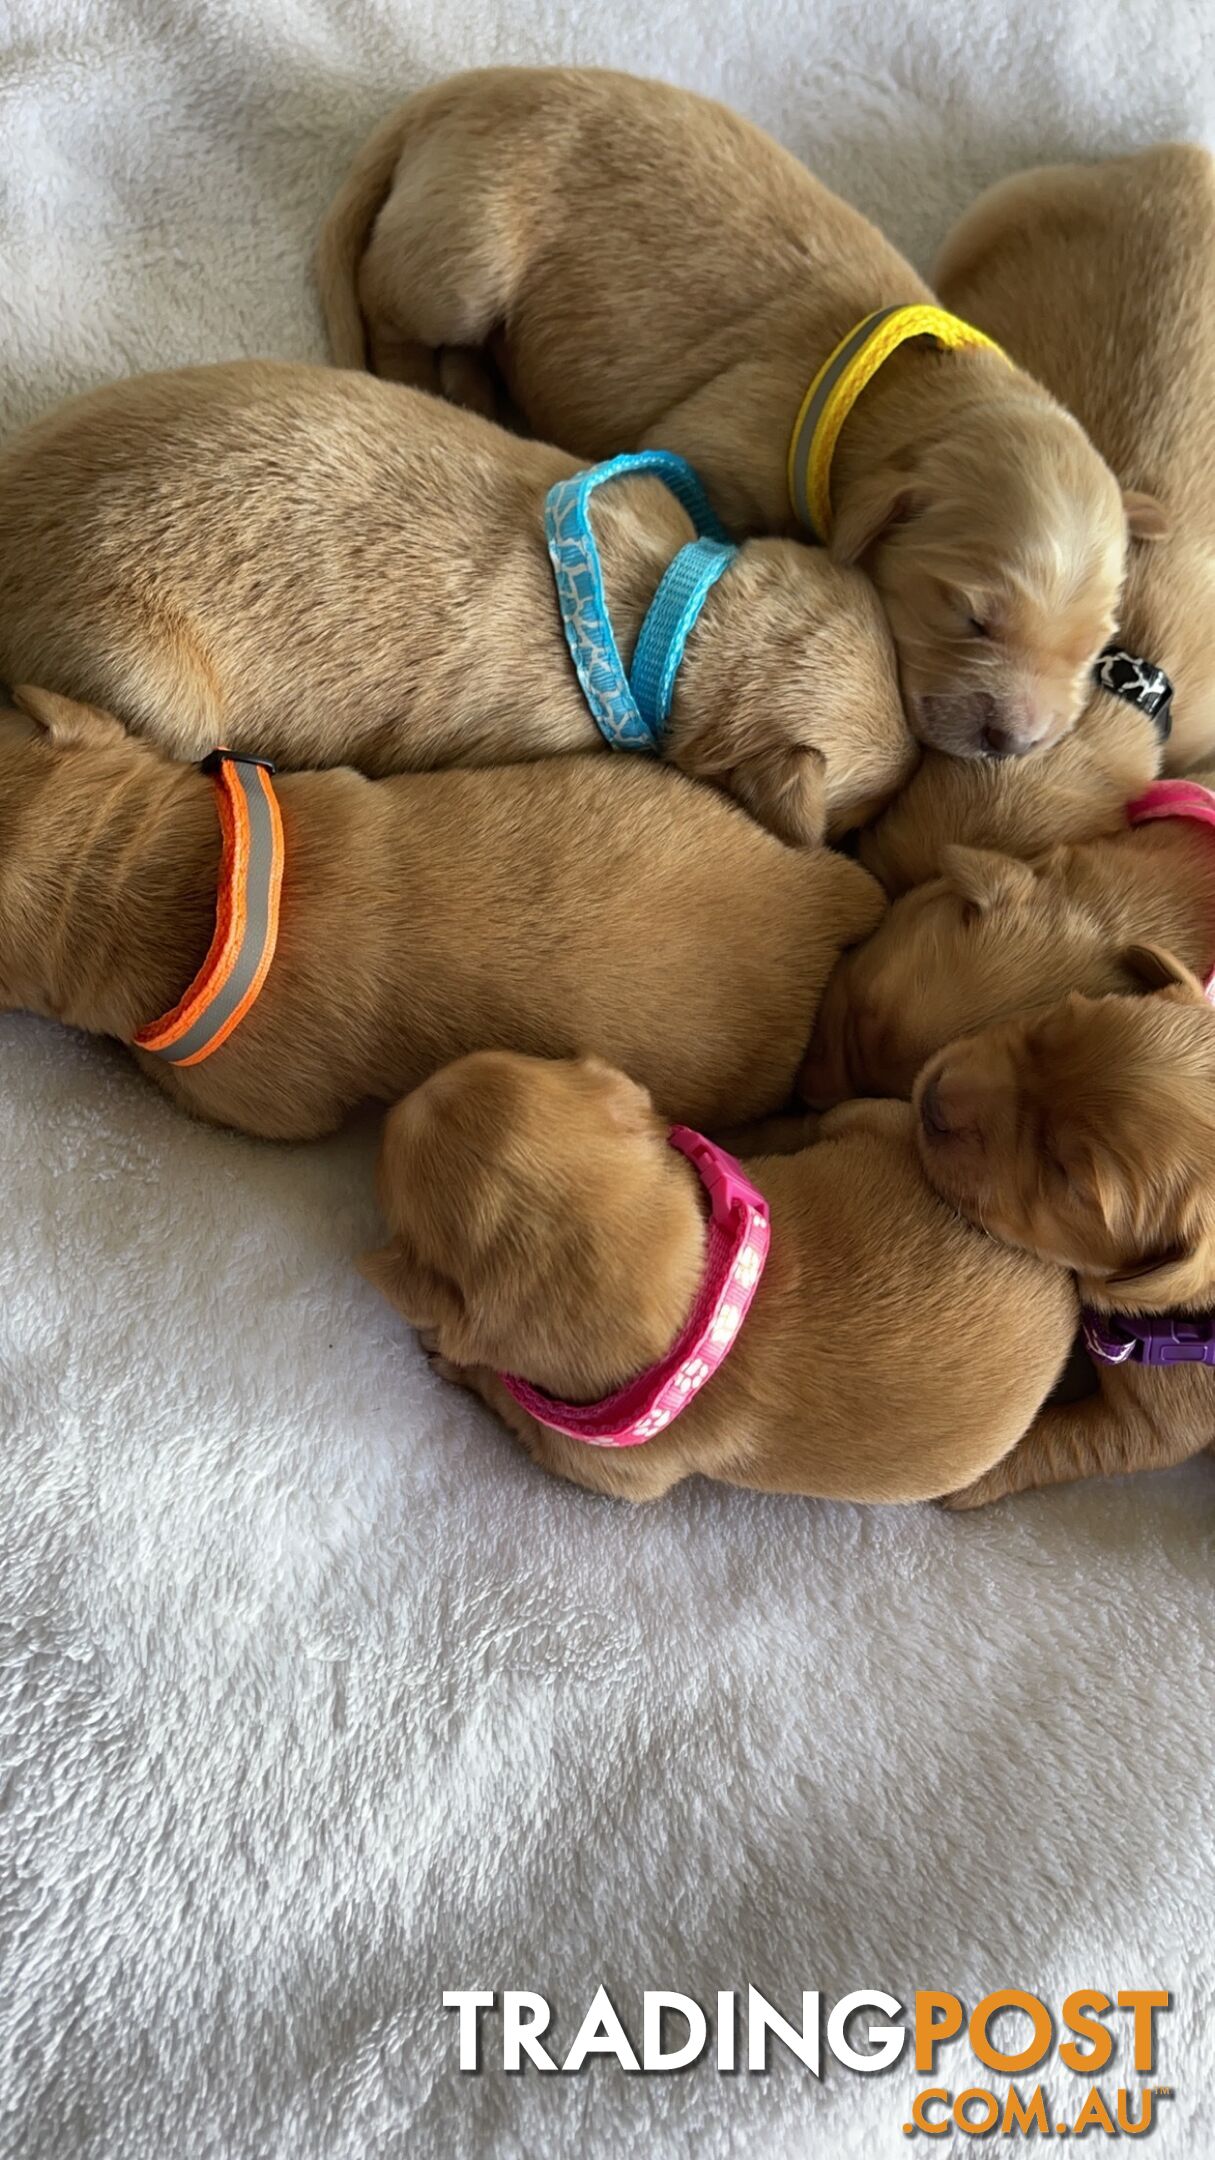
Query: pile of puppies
[(825, 544)]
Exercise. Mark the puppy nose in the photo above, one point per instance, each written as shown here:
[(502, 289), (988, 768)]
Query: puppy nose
[(1026, 723), (1008, 730), (996, 735), (998, 742)]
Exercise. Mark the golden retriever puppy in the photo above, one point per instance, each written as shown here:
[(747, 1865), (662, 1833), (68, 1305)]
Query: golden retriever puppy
[(1086, 1136), (544, 1227), (326, 570), (993, 937), (555, 908), (1017, 806), (643, 266), (1100, 279)]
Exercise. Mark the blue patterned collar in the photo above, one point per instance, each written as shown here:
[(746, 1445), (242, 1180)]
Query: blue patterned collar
[(631, 711)]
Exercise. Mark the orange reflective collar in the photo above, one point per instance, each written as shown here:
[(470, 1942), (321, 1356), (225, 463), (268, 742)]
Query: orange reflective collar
[(246, 916)]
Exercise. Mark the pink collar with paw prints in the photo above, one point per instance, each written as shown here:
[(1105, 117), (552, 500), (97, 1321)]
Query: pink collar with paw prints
[(739, 1235)]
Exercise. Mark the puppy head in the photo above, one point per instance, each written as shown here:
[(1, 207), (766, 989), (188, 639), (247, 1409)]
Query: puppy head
[(1021, 806), (804, 722), (1086, 1135), (999, 547), (541, 1223), (990, 938)]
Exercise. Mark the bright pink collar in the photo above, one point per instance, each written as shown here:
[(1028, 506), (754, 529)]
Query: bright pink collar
[(739, 1234), (1176, 798)]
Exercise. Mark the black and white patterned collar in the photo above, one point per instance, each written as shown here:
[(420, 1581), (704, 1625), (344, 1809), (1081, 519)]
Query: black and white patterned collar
[(1140, 682)]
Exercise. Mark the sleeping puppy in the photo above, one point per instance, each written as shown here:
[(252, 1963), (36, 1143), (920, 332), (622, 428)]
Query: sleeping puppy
[(544, 1227), (644, 266), (326, 570), (1022, 806), (1086, 1136), (993, 937), (556, 908), (1101, 280)]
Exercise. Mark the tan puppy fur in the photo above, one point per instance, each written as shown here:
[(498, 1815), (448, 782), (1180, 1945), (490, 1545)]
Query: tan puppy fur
[(1101, 280), (1086, 1137), (1018, 806), (327, 570), (646, 267), (554, 908), (992, 937), (542, 1226)]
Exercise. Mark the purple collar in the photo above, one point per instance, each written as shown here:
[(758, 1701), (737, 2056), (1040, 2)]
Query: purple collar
[(1149, 1338)]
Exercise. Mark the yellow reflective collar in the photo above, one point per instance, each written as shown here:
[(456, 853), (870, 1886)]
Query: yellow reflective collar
[(839, 383)]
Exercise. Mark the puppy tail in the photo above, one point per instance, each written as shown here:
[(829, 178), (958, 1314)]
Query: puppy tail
[(343, 239)]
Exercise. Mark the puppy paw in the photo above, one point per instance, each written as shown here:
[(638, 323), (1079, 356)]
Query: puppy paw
[(442, 1367), (991, 1486), (455, 1375)]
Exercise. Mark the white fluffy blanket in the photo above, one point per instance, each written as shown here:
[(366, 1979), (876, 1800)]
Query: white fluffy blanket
[(317, 1700)]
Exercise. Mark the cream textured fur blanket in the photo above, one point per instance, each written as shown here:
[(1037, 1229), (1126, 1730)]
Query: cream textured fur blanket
[(316, 1700)]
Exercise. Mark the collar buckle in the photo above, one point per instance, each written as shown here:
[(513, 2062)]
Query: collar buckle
[(215, 760), (1181, 1342), (1150, 1339)]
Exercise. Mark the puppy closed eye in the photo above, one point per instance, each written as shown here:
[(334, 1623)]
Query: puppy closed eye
[(967, 613), (1081, 1176)]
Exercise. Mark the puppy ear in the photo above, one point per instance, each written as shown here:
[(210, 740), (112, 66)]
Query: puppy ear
[(875, 502), (786, 789), (1153, 967), (414, 1290), (67, 723), (1180, 1277), (986, 880), (627, 1105), (1146, 519)]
